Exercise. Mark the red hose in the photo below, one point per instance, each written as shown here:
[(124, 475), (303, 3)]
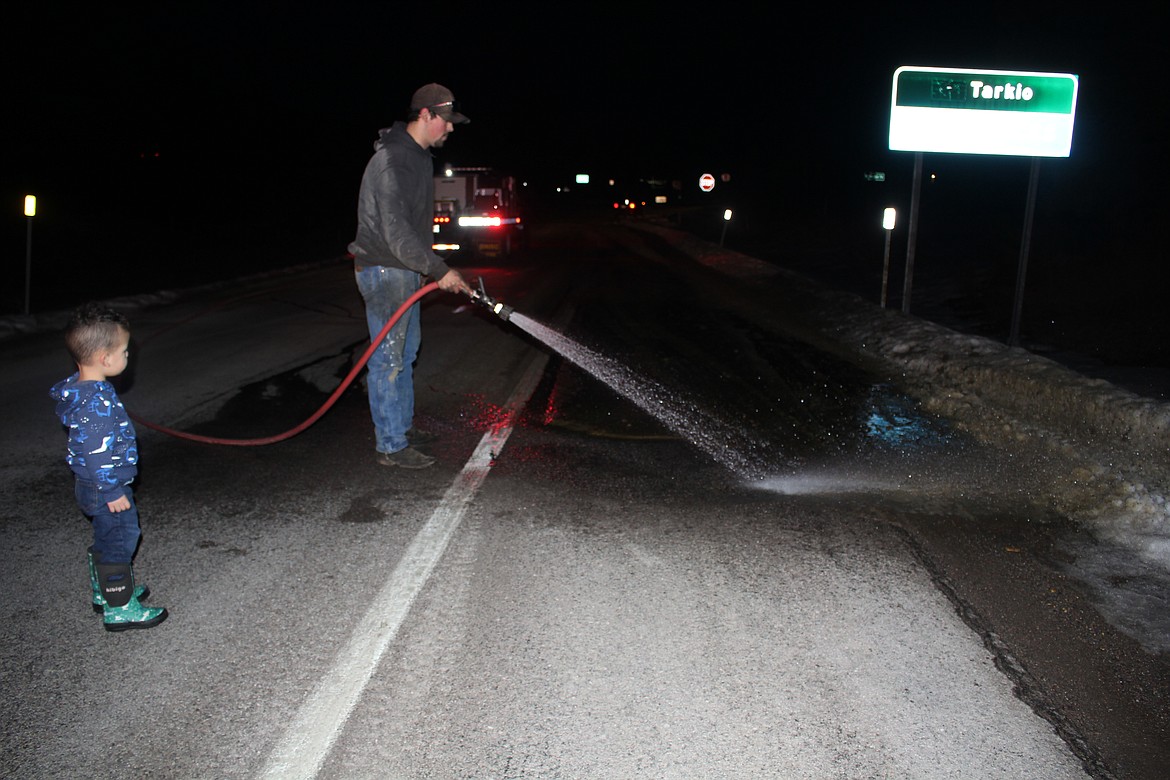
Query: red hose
[(324, 407)]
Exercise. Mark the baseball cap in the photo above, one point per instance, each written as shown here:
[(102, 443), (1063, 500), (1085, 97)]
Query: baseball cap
[(440, 101)]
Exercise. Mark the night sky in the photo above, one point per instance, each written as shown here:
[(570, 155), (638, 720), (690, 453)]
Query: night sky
[(150, 131)]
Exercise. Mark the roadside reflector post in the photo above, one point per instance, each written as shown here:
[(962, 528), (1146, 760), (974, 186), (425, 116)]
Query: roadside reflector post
[(30, 211), (889, 216), (726, 219)]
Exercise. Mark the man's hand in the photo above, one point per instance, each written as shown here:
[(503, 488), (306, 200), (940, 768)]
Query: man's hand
[(452, 281)]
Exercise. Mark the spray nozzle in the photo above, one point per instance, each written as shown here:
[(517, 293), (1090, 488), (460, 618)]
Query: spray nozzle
[(481, 297)]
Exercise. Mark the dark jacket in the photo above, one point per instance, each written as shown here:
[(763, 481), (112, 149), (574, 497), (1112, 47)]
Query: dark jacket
[(396, 207), (103, 447)]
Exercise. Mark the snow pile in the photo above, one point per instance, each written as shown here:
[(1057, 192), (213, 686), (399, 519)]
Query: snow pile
[(1108, 447), (1105, 449)]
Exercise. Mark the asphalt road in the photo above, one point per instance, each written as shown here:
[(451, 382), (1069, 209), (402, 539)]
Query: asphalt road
[(624, 578)]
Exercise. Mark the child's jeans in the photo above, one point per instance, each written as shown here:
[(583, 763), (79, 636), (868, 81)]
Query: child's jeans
[(115, 534)]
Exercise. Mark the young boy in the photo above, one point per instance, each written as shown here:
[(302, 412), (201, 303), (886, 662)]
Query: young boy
[(103, 453)]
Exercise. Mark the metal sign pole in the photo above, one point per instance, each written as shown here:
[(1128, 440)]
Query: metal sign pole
[(912, 233), (1025, 244)]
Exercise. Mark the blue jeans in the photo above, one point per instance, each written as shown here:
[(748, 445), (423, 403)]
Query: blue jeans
[(390, 370), (115, 534)]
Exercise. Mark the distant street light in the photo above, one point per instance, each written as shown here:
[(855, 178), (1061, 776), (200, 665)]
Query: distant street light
[(30, 211), (888, 218), (726, 219)]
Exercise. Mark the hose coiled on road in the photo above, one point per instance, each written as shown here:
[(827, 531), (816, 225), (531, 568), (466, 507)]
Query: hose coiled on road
[(341, 388)]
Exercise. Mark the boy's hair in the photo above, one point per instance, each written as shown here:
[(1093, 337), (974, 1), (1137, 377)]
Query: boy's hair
[(92, 329)]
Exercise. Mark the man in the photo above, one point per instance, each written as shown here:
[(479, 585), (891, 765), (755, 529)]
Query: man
[(392, 253)]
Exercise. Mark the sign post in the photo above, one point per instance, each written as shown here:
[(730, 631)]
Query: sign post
[(1025, 242), (912, 233)]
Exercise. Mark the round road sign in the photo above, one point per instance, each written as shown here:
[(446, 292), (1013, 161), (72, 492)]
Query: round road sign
[(706, 182)]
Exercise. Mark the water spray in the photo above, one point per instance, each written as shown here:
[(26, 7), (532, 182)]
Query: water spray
[(481, 297)]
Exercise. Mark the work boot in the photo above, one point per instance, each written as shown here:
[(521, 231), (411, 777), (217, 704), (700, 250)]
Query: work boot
[(141, 592), (122, 610), (408, 458)]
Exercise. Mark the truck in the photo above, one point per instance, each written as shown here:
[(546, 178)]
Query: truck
[(477, 209)]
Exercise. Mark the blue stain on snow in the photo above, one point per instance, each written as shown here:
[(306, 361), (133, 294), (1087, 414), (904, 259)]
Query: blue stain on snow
[(895, 420)]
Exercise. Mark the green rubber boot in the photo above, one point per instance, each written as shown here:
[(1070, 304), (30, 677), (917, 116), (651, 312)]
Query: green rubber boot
[(141, 592), (122, 611)]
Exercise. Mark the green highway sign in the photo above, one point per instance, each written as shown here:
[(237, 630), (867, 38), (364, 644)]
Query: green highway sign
[(982, 111), (986, 91)]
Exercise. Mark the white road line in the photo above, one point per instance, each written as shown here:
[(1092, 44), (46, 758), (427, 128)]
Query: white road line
[(310, 736)]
